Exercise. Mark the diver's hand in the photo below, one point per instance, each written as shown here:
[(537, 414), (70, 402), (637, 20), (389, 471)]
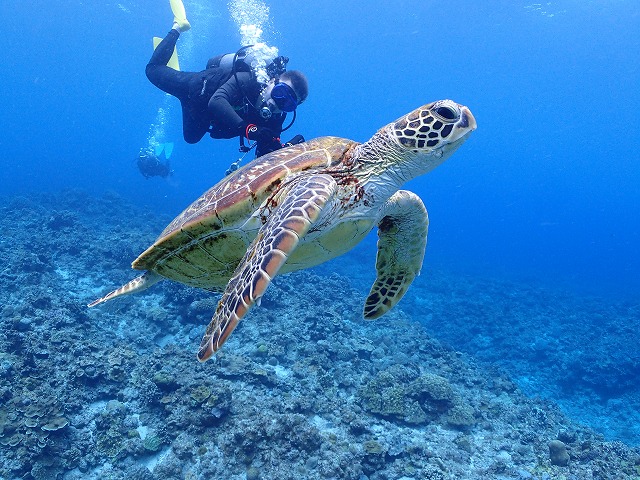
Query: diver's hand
[(267, 147), (271, 146), (261, 134), (294, 141)]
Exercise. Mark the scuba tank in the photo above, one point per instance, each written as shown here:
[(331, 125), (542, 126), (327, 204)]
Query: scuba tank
[(242, 61), (226, 61)]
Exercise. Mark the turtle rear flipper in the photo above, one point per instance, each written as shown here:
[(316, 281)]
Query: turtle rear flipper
[(402, 239), (276, 240), (138, 284)]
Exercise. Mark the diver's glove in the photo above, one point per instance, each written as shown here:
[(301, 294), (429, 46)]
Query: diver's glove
[(261, 134), (267, 147), (294, 141)]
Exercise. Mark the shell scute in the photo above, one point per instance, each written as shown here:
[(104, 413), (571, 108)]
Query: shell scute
[(236, 198)]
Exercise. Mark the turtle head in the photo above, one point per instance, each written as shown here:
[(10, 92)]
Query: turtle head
[(429, 135), (437, 125)]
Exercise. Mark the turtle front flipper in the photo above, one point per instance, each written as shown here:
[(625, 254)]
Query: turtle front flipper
[(402, 239), (138, 284), (276, 240)]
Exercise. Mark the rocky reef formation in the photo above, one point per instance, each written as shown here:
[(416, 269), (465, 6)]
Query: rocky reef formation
[(303, 389)]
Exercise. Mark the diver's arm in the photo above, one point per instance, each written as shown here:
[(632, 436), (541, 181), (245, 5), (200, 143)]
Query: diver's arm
[(222, 103)]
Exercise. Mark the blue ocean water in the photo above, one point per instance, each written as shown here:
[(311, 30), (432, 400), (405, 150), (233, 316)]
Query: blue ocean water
[(546, 188), (544, 194)]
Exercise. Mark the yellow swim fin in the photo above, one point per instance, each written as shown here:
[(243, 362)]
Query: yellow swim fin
[(173, 61), (180, 15)]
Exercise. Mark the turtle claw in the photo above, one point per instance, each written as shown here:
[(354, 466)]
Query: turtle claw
[(206, 350), (212, 341)]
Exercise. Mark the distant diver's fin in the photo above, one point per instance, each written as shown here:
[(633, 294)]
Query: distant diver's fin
[(180, 15), (168, 148), (157, 149), (173, 61)]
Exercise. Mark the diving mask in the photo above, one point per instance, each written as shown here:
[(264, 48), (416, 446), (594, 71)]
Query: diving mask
[(284, 97)]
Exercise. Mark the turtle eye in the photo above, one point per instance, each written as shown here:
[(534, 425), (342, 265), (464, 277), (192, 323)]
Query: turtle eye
[(446, 113)]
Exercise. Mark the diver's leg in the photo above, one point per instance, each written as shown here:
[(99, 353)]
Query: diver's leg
[(164, 50), (166, 78)]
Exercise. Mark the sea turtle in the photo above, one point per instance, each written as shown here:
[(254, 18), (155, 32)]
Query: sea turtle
[(301, 206)]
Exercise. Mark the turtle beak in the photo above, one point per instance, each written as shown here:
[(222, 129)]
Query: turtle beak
[(462, 128), (467, 120)]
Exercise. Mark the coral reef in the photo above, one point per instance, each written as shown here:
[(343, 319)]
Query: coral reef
[(303, 389), (406, 394), (579, 351)]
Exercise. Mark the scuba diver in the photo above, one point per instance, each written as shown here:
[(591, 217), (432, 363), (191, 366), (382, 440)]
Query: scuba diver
[(155, 163), (226, 99)]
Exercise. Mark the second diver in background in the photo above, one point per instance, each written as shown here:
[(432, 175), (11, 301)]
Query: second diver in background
[(154, 162)]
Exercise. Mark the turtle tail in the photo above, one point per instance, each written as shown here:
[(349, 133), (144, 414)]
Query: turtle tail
[(138, 284)]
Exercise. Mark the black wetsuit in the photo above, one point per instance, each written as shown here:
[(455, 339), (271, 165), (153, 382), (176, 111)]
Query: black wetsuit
[(212, 100)]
